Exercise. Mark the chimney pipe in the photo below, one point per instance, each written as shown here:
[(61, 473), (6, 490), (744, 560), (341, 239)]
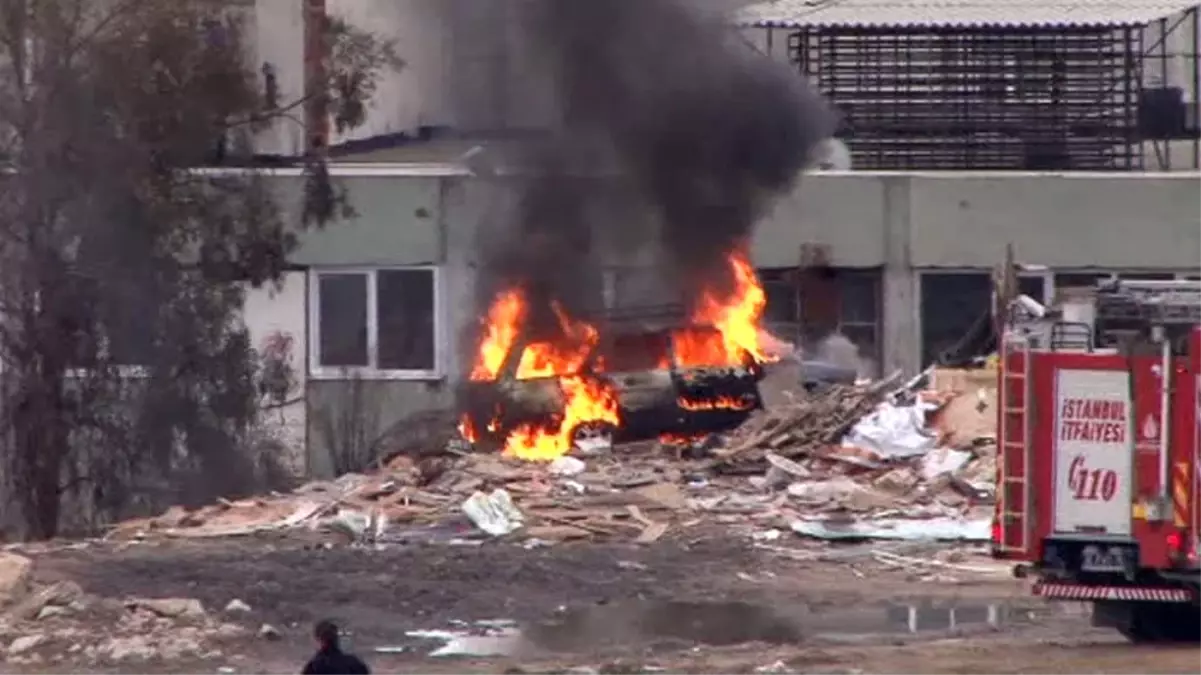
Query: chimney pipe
[(316, 112)]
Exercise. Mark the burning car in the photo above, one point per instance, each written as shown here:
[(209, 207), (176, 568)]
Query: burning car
[(653, 372), (633, 381)]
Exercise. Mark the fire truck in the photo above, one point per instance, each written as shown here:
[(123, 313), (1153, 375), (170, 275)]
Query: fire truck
[(1098, 442)]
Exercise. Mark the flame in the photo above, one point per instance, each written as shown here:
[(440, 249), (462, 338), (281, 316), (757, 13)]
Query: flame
[(585, 400), (736, 320), (504, 320), (681, 439), (563, 357), (724, 331), (719, 403)]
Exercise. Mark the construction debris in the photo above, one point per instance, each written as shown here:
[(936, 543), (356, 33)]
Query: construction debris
[(914, 460)]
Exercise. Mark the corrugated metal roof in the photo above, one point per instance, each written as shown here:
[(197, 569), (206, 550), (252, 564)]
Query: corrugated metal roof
[(888, 13)]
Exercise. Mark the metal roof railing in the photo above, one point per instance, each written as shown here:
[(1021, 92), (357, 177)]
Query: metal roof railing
[(957, 13)]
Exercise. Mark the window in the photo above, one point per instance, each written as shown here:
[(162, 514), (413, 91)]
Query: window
[(859, 313), (956, 312), (378, 322), (952, 305), (782, 315), (856, 314)]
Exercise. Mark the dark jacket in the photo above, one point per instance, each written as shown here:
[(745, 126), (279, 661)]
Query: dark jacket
[(334, 661)]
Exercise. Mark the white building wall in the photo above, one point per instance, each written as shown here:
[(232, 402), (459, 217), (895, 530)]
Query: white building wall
[(414, 96), (282, 311), (275, 32), (405, 100)]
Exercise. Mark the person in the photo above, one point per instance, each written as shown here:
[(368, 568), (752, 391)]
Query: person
[(330, 659)]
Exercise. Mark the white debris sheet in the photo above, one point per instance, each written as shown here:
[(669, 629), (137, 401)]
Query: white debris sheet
[(927, 529), (503, 642), (894, 432), (943, 461), (494, 513)]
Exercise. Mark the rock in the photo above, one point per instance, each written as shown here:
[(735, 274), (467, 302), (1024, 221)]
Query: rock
[(169, 608), (236, 606), (25, 643), (269, 632), (228, 631), (15, 571), (180, 647), (60, 594), (178, 516), (133, 648), (50, 611)]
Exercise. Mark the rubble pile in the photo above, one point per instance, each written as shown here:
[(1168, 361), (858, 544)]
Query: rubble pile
[(42, 624), (881, 460), (799, 425)]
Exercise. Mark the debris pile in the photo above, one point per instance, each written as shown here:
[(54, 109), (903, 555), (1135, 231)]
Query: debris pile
[(881, 460), (40, 625)]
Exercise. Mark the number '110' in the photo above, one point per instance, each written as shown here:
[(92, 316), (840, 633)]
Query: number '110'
[(1092, 485)]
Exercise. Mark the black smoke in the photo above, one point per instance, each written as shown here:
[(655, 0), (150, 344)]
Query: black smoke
[(674, 135)]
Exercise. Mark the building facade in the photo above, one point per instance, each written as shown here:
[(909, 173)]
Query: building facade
[(379, 306)]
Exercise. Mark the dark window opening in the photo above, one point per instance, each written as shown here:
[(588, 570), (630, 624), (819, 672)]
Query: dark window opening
[(405, 301), (342, 317), (397, 333), (952, 307)]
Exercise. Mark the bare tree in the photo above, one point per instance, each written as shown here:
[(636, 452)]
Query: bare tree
[(115, 251)]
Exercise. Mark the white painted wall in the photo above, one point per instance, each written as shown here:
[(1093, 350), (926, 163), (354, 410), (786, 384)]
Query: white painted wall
[(414, 96), (267, 312), (404, 101), (275, 32)]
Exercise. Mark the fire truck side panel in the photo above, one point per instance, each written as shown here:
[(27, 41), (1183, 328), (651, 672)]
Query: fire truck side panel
[(1183, 469), (1093, 474), (1080, 412), (1151, 425), (1091, 466), (1191, 452)]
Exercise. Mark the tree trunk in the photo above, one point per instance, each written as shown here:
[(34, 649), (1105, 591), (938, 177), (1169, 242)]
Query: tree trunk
[(40, 431)]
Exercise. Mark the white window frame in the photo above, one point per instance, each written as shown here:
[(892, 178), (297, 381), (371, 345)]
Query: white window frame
[(371, 372)]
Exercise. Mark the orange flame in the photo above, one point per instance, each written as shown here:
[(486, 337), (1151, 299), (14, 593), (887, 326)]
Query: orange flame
[(584, 400), (563, 357), (725, 331), (504, 319), (719, 403)]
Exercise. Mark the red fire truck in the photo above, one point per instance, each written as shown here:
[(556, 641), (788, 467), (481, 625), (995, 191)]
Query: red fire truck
[(1098, 436)]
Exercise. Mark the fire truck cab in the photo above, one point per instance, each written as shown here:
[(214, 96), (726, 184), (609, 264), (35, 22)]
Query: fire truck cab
[(1098, 441)]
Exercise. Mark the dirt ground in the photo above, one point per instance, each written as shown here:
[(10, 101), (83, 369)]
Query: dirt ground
[(713, 604)]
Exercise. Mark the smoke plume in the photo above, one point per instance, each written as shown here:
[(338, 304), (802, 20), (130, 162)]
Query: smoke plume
[(673, 137)]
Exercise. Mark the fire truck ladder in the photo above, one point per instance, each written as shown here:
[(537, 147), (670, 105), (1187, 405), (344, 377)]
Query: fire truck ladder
[(1015, 404), (1160, 302)]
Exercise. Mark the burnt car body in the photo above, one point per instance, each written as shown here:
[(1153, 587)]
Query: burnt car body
[(635, 355)]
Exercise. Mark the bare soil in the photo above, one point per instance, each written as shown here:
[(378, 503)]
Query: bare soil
[(714, 604)]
